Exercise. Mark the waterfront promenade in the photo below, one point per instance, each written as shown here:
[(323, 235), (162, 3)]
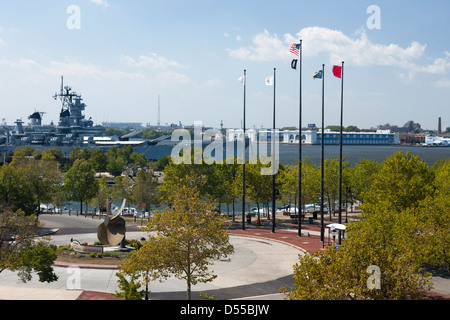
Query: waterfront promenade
[(261, 265)]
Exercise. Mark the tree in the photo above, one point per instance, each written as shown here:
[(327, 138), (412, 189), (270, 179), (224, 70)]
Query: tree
[(117, 159), (15, 191), (193, 233), (162, 162), (173, 172), (80, 183), (433, 215), (19, 250), (122, 188), (389, 243), (54, 154), (331, 183), (78, 153), (100, 199), (404, 227), (43, 177), (402, 182), (138, 160), (361, 177), (143, 190), (99, 160), (259, 187), (289, 184), (310, 182), (146, 264)]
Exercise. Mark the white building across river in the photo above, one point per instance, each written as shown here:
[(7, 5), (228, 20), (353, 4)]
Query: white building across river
[(380, 137)]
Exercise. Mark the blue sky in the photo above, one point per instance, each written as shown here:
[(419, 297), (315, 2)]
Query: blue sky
[(191, 53)]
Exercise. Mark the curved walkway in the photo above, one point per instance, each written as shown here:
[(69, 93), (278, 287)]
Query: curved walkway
[(242, 279)]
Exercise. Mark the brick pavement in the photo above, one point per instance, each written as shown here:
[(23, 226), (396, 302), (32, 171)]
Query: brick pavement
[(290, 236)]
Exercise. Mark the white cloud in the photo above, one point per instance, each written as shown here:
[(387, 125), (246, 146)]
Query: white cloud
[(57, 68), (443, 83), (152, 61), (214, 82), (358, 50), (103, 3), (170, 77), (266, 47), (2, 43)]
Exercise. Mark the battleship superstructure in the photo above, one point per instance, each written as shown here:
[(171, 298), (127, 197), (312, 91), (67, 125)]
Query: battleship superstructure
[(72, 128)]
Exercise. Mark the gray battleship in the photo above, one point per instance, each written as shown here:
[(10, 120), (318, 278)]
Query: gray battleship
[(73, 129)]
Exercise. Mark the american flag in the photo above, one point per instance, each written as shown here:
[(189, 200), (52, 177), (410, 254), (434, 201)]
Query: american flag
[(295, 48)]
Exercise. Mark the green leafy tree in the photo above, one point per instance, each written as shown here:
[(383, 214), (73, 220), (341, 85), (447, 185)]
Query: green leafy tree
[(117, 159), (146, 264), (259, 186), (15, 190), (173, 171), (331, 183), (144, 189), (381, 241), (122, 188), (103, 193), (78, 153), (289, 184), (361, 178), (138, 160), (24, 254), (99, 160), (310, 182), (54, 154), (80, 183), (402, 182), (43, 178)]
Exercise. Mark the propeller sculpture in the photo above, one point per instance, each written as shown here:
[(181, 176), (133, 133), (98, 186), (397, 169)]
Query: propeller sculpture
[(111, 231)]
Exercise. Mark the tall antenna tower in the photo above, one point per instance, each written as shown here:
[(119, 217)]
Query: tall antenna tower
[(159, 112)]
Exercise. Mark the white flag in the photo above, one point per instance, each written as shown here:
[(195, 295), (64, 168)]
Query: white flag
[(269, 81), (242, 79)]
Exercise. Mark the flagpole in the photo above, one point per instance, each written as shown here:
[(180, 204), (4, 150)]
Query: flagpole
[(322, 231), (273, 153), (243, 157), (300, 147), (340, 150)]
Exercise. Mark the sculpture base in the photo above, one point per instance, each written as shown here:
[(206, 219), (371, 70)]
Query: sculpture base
[(117, 249)]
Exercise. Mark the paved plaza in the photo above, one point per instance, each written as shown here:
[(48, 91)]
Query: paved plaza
[(261, 264)]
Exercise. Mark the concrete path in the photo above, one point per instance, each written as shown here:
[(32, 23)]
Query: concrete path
[(262, 263)]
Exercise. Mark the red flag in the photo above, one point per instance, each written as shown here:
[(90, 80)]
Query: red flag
[(337, 71)]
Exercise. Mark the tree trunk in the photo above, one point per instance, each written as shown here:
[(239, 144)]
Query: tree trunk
[(233, 209)]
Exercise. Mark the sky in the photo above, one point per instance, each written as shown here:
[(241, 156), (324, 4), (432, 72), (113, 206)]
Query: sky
[(121, 55)]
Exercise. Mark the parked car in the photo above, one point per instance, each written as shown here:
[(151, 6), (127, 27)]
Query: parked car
[(142, 214), (128, 211)]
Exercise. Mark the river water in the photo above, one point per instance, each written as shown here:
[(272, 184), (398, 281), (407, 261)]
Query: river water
[(289, 153)]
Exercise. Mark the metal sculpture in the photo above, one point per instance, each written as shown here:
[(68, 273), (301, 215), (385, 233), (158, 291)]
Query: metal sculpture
[(111, 231)]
